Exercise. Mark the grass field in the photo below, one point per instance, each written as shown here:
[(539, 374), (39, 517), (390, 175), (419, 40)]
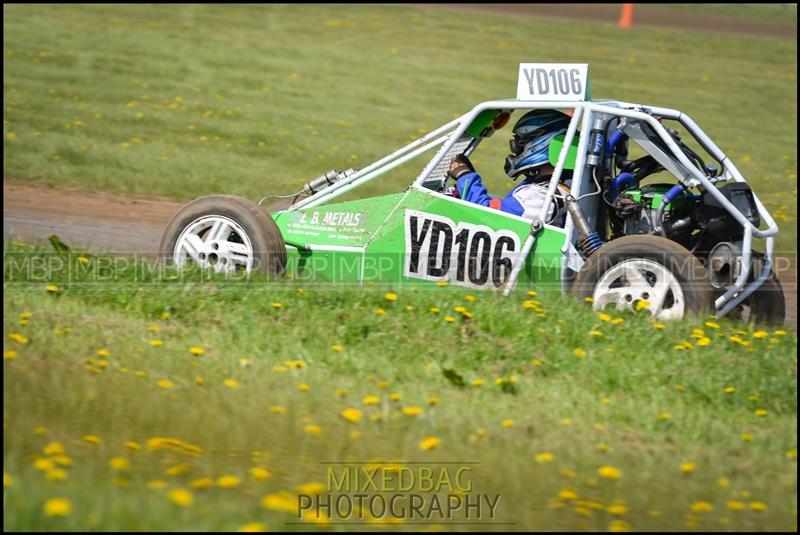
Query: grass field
[(141, 400), (192, 100), (122, 396)]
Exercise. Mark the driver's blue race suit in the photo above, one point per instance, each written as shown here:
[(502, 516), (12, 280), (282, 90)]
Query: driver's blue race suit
[(525, 199)]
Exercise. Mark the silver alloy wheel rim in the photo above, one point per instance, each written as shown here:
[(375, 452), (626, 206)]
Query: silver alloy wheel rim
[(637, 280), (215, 242)]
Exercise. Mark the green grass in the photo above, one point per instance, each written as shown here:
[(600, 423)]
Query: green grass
[(633, 402), (186, 100), (784, 13)]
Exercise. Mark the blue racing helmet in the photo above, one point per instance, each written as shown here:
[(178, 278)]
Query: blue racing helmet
[(531, 142)]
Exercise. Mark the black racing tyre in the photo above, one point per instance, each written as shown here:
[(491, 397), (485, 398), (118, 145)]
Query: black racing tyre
[(666, 276), (224, 232), (767, 304)]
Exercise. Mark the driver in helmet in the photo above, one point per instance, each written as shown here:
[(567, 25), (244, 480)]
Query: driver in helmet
[(530, 148)]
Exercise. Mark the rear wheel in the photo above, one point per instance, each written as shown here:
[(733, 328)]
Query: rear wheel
[(635, 272), (224, 233)]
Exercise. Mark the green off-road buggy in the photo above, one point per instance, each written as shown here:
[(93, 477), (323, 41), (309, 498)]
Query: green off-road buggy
[(666, 231)]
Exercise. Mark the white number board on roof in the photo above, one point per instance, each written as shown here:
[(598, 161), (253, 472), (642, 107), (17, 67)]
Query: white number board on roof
[(552, 81)]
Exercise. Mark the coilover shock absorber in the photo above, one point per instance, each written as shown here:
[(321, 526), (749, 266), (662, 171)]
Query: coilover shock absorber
[(590, 239)]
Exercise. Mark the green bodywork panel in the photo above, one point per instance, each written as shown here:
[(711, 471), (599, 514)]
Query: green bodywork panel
[(415, 237)]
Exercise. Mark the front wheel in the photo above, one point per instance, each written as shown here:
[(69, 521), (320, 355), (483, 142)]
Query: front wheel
[(636, 272), (224, 233)]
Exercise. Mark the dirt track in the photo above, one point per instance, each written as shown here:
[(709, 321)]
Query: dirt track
[(104, 222)]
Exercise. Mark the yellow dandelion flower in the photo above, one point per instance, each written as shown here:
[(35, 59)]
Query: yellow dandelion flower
[(412, 410), (618, 509), (18, 338), (57, 507), (758, 506), (178, 470), (664, 416), (579, 352), (760, 334), (153, 328), (603, 316), (337, 348), (619, 526), (379, 311), (351, 415), (157, 484), (120, 464), (729, 390), (688, 468), (724, 482), (253, 527), (197, 351), (54, 448), (390, 296), (567, 494), (181, 497), (761, 412), (703, 341), (434, 310), (449, 319), (228, 482), (92, 439), (477, 382), (259, 474), (588, 300), (433, 400), (231, 383), (55, 474), (780, 332), (508, 422), (733, 505), (595, 332), (544, 457), (659, 325), (312, 429), (536, 362), (7, 481), (43, 464), (63, 460), (202, 483), (609, 472), (371, 400), (282, 501), (52, 288), (701, 507), (277, 409), (165, 383), (277, 305), (711, 325), (642, 304), (304, 387), (747, 437), (429, 443), (441, 283), (471, 298), (791, 454), (9, 355), (341, 392), (156, 343), (311, 489)]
